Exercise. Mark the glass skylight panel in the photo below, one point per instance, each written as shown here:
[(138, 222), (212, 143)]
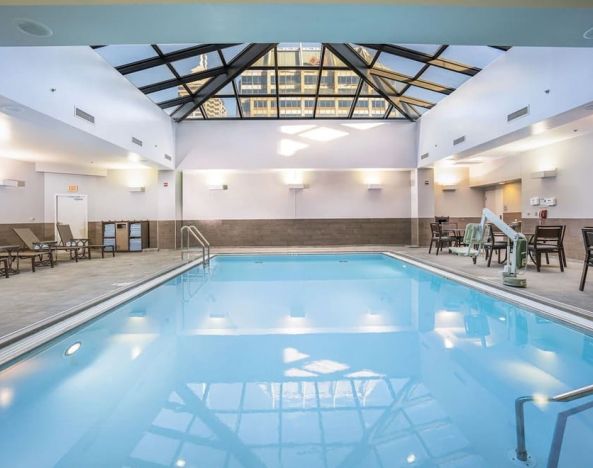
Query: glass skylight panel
[(370, 108), (227, 90), (164, 95), (328, 82), (229, 53), (266, 61), (396, 85), (367, 90), (197, 64), (397, 64), (475, 56), (395, 114), (330, 60), (221, 108), (424, 94), (150, 76), (297, 107), (256, 82), (346, 82), (365, 53), (168, 48), (194, 86), (428, 49), (444, 77), (118, 55), (311, 54), (170, 110), (289, 82), (333, 107), (196, 114), (259, 107)]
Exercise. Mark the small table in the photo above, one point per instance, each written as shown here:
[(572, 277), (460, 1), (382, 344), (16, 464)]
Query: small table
[(12, 252)]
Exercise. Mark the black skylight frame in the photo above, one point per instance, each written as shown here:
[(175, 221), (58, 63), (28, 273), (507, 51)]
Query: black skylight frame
[(376, 82)]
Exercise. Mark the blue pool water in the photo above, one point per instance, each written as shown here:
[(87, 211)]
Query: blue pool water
[(299, 361)]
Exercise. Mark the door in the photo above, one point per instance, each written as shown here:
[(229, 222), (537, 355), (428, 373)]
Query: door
[(72, 210)]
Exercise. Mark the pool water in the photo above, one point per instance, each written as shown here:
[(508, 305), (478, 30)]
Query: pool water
[(357, 360)]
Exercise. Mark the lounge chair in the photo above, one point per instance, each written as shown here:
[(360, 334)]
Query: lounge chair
[(13, 255), (36, 246), (4, 266), (83, 244)]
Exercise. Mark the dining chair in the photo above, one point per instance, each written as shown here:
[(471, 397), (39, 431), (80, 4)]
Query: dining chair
[(588, 243)]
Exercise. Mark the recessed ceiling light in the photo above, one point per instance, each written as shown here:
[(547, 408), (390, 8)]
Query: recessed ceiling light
[(588, 34), (33, 28)]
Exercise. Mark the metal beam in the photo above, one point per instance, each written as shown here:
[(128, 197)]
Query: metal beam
[(425, 58), (356, 63), (202, 75), (412, 81), (170, 57), (238, 65)]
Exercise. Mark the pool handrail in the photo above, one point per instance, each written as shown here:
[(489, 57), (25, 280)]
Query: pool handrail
[(196, 234), (521, 450)]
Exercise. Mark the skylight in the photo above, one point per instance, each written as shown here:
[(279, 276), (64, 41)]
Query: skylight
[(297, 80)]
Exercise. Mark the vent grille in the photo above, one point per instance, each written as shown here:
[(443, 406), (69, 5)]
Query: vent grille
[(424, 156), (459, 140), (168, 158), (518, 113), (84, 115), (137, 141)]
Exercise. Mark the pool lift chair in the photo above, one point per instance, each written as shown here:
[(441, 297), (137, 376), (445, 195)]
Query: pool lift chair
[(516, 262)]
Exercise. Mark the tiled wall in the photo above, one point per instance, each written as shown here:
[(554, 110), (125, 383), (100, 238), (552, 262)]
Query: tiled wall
[(306, 232)]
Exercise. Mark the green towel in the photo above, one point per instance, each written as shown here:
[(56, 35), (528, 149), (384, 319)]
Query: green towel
[(473, 238)]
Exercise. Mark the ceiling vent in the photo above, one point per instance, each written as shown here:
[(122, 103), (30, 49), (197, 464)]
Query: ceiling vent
[(168, 158), (424, 156), (518, 113), (84, 115), (459, 140), (137, 141)]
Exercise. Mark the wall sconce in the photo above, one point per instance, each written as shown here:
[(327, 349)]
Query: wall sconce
[(137, 189), (297, 186), (549, 174), (449, 188), (218, 187), (374, 186), (11, 183)]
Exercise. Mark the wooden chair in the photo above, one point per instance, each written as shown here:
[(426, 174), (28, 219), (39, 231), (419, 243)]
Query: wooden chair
[(547, 240), (588, 243), (496, 241), (439, 237)]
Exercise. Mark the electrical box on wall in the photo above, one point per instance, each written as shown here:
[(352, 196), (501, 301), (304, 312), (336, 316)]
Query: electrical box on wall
[(534, 201), (551, 201)]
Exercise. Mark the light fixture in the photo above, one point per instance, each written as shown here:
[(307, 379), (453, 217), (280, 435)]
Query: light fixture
[(218, 187), (33, 28), (546, 174), (12, 183), (449, 188), (297, 186), (180, 463), (588, 34), (73, 348), (137, 189), (10, 109), (411, 458), (133, 157), (372, 186)]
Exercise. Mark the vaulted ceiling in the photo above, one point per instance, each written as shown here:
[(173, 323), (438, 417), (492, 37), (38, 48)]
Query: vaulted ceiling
[(298, 80)]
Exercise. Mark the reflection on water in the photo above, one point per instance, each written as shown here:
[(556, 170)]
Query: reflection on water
[(299, 361)]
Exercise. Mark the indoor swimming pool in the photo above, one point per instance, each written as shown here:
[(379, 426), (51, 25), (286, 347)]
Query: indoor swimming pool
[(292, 361)]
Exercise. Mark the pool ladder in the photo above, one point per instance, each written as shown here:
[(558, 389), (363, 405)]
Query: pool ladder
[(186, 250), (521, 449)]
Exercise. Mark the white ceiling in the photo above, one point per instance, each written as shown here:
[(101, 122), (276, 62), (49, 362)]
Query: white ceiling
[(471, 22), (28, 135)]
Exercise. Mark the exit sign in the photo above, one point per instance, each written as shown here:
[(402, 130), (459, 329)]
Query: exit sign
[(72, 188)]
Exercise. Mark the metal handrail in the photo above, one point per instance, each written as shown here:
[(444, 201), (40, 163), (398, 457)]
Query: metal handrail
[(197, 235), (521, 450)]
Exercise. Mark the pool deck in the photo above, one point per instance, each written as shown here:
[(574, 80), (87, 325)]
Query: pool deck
[(28, 298)]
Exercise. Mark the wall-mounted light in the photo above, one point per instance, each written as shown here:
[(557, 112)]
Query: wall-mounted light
[(218, 187), (137, 189), (12, 183), (374, 186), (297, 186), (449, 188), (547, 174)]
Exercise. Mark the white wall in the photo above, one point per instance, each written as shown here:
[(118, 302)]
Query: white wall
[(108, 197), (82, 78), (265, 195), (478, 109), (464, 201), (574, 162), (25, 204), (257, 145)]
